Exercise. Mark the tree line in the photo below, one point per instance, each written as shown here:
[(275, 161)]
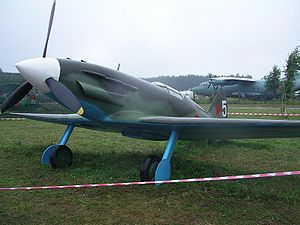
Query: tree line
[(181, 83), (285, 86)]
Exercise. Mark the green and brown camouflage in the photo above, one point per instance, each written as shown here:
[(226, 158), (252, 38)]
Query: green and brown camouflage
[(106, 93)]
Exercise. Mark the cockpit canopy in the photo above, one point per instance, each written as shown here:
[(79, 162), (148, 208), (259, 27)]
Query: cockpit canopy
[(169, 89), (204, 84)]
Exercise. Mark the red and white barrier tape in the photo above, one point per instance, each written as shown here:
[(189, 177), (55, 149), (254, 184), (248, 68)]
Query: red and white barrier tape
[(264, 114), (12, 118), (238, 177)]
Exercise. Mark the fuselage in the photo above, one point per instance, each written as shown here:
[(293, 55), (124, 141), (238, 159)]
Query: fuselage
[(254, 89), (239, 89), (105, 93)]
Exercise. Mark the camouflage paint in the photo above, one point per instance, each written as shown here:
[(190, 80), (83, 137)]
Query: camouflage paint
[(112, 94)]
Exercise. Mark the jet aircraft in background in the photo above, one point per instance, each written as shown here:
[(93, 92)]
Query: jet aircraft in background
[(240, 87), (109, 100)]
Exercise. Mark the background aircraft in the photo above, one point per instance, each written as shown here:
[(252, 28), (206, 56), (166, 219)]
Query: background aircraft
[(239, 87), (112, 101)]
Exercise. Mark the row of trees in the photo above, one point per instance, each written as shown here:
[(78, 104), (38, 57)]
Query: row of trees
[(231, 75), (180, 83), (285, 86)]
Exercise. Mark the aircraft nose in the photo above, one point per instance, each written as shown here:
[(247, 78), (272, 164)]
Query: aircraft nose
[(37, 71)]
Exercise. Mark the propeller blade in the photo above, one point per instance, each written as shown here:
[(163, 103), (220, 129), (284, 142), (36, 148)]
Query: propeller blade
[(65, 96), (211, 84), (49, 28), (16, 96)]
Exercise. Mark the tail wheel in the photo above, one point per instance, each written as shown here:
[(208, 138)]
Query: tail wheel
[(148, 168), (62, 157)]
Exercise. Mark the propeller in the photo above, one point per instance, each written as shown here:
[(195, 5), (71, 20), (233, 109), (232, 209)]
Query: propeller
[(210, 84), (24, 88), (64, 95), (214, 85), (210, 75), (16, 96), (49, 28)]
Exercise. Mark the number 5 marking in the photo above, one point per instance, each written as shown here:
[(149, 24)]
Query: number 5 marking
[(224, 108)]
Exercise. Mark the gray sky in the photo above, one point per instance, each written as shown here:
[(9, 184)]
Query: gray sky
[(155, 37)]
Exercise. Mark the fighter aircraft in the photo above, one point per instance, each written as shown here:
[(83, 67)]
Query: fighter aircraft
[(109, 100), (240, 87)]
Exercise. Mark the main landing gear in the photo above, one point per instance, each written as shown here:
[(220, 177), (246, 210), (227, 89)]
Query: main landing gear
[(59, 156), (155, 169), (148, 168)]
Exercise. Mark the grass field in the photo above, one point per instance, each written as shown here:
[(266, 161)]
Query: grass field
[(102, 157)]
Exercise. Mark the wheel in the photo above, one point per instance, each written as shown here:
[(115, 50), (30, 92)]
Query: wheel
[(61, 157), (148, 168)]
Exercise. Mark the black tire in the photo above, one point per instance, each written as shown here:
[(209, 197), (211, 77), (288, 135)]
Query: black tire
[(62, 157), (148, 168)]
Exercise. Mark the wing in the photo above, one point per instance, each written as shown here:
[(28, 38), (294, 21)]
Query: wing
[(216, 128), (55, 118), (158, 128), (230, 80)]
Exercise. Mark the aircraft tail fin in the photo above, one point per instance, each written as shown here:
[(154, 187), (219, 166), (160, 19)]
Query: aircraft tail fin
[(218, 107)]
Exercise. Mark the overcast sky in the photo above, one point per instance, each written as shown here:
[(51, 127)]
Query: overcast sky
[(155, 37)]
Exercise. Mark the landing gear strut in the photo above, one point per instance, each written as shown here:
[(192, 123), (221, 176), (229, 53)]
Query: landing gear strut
[(59, 156), (162, 168)]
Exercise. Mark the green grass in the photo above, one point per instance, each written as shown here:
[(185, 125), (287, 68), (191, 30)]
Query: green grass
[(103, 157)]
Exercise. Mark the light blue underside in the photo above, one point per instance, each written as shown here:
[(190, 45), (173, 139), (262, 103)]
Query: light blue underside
[(63, 141), (163, 171)]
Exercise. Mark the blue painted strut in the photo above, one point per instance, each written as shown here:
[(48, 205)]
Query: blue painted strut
[(163, 171), (63, 141), (66, 135)]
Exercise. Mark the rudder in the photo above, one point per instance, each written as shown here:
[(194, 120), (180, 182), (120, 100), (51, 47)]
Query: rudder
[(218, 107)]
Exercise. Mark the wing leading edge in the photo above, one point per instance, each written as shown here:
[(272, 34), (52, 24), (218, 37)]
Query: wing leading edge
[(55, 118)]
